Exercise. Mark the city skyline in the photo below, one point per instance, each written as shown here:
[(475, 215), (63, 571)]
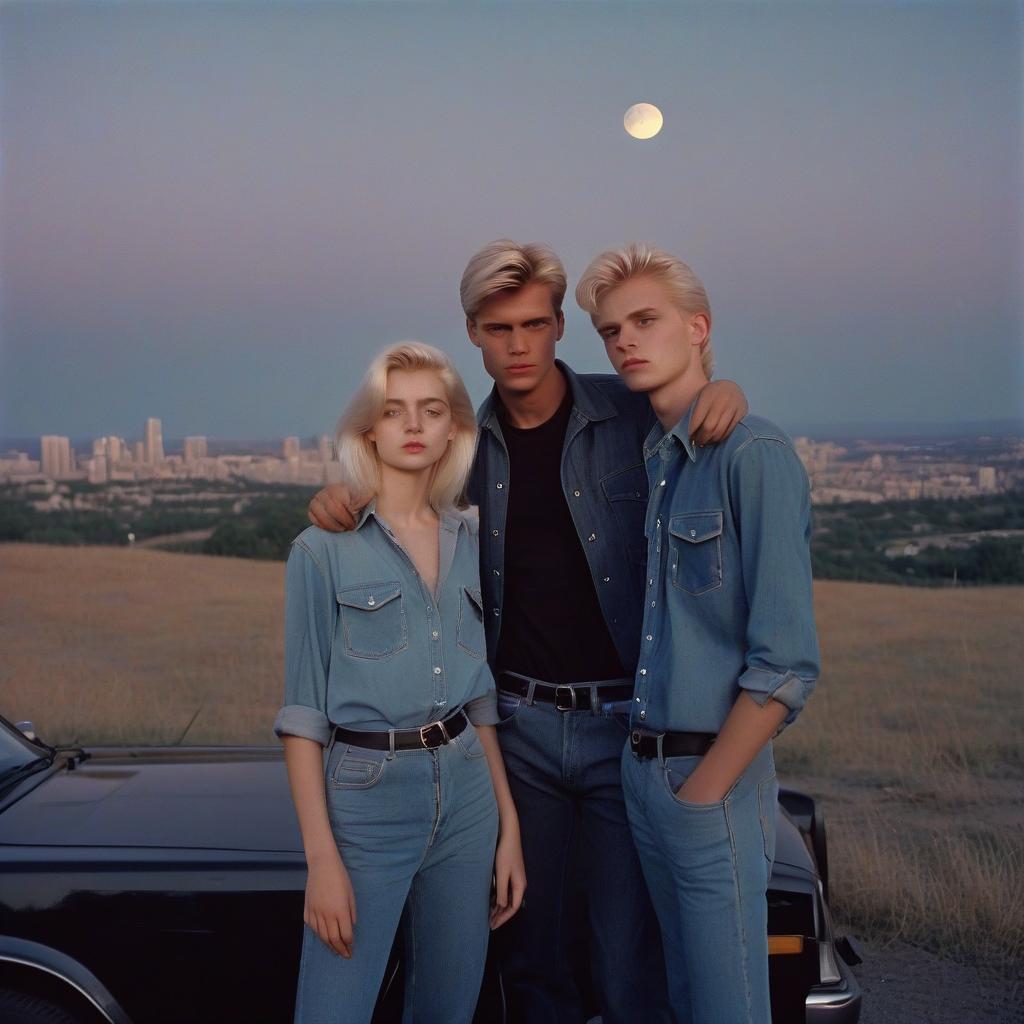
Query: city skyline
[(220, 211)]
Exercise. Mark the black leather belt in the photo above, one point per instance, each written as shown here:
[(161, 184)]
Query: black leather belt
[(426, 737), (673, 744), (565, 698)]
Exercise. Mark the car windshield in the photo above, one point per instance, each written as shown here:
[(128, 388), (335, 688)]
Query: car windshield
[(16, 750)]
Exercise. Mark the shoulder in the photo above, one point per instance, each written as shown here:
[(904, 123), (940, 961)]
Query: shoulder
[(317, 545), (609, 388), (755, 434)]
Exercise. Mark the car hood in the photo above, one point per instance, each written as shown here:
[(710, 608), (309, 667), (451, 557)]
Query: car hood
[(192, 798)]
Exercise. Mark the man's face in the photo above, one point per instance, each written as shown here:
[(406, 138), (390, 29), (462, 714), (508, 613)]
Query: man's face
[(649, 341), (517, 331)]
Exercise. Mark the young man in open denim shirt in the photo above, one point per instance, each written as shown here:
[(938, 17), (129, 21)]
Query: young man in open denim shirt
[(728, 649), (561, 487)]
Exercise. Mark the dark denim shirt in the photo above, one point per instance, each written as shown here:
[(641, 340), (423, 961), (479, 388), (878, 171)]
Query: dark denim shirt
[(728, 593), (605, 485), (368, 646)]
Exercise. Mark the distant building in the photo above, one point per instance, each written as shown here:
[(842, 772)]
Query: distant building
[(154, 442), (139, 452), (987, 479), (55, 456), (195, 449), (325, 448), (98, 469), (290, 450)]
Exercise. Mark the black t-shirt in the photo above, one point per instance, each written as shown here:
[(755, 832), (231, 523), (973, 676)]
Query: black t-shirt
[(551, 623)]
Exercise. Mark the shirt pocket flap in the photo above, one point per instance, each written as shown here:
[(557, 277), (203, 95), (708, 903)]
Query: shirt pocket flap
[(370, 596), (476, 598), (626, 484), (696, 527)]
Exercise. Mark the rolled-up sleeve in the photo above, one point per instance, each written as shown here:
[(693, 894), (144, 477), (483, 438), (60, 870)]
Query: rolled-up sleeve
[(483, 710), (771, 501), (310, 617)]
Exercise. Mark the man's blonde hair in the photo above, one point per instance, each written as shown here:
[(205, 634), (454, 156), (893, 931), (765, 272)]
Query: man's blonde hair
[(358, 454), (503, 265), (638, 259)]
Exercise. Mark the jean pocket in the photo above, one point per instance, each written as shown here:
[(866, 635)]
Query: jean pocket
[(355, 767), (695, 551), (677, 770), (508, 707), (373, 619), (469, 633), (469, 742)]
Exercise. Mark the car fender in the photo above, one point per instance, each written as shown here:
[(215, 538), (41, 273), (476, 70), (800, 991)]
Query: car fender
[(66, 971)]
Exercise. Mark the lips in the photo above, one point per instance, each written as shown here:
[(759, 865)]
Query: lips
[(630, 363), (519, 368), (413, 446)]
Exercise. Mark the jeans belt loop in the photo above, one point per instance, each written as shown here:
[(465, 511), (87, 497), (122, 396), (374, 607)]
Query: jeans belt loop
[(595, 704), (531, 688), (391, 745), (661, 752)]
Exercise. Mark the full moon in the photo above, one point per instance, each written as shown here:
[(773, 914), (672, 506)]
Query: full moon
[(643, 120)]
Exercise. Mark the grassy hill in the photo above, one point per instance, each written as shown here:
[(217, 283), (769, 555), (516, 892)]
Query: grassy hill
[(912, 739)]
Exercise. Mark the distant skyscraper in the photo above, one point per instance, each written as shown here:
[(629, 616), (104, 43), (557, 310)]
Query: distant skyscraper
[(324, 448), (138, 452), (291, 448), (987, 478), (56, 456), (115, 449), (195, 449), (154, 441)]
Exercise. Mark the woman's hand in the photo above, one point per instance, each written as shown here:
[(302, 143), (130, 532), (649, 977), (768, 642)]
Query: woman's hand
[(509, 878), (330, 908)]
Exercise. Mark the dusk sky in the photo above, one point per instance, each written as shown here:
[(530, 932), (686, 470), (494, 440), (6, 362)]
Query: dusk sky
[(215, 213)]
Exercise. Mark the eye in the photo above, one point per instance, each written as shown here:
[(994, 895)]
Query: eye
[(645, 320), (392, 412), (609, 332), (433, 412)]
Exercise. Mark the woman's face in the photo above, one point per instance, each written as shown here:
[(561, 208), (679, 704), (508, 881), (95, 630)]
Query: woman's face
[(416, 425)]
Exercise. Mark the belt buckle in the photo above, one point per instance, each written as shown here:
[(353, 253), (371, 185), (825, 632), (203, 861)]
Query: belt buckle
[(572, 698), (445, 738), (634, 740)]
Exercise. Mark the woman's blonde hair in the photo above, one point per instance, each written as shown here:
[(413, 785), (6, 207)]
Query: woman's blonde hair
[(638, 259), (358, 454)]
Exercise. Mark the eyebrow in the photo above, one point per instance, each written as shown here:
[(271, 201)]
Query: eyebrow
[(636, 314), (545, 317), (421, 401)]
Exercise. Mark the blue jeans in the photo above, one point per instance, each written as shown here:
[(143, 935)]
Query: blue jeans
[(564, 771), (707, 868), (417, 833)]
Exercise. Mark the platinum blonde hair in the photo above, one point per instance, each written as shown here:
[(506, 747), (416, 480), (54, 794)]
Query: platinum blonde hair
[(358, 454), (638, 259), (502, 265)]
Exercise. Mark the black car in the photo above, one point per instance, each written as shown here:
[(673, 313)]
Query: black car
[(165, 884)]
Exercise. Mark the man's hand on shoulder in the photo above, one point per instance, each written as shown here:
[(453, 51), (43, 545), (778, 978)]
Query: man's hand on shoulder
[(333, 508), (720, 406)]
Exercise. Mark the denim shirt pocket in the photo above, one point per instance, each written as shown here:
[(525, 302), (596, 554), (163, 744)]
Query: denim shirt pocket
[(695, 551), (373, 619), (469, 632)]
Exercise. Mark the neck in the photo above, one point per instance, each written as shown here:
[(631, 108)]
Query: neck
[(671, 400), (404, 498), (532, 408)]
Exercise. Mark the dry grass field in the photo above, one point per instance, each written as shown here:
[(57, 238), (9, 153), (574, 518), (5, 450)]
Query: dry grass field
[(912, 741)]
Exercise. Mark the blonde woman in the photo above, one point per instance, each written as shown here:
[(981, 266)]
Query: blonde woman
[(410, 811)]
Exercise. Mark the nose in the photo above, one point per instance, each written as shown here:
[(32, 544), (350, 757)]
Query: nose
[(414, 424), (517, 342)]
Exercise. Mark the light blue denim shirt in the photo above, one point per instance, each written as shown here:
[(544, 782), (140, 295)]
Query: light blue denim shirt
[(368, 646), (728, 602)]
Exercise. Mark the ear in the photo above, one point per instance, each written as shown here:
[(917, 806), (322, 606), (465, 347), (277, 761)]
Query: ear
[(699, 329), (561, 326), (471, 331)]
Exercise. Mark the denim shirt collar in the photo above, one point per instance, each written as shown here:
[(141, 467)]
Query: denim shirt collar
[(449, 520), (681, 432), (587, 400)]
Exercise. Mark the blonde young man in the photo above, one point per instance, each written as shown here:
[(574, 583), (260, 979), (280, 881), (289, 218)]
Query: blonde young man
[(559, 480), (728, 652)]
